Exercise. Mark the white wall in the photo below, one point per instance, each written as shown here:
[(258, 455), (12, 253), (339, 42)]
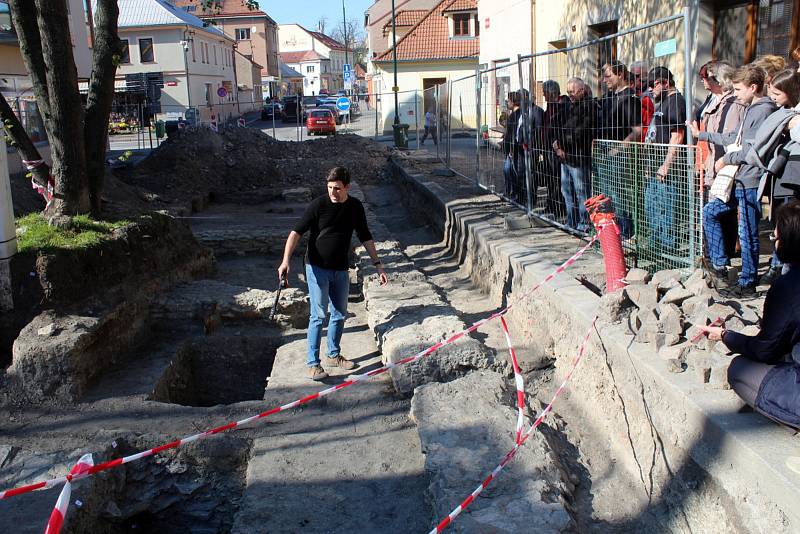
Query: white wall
[(410, 80), (172, 60), (293, 38)]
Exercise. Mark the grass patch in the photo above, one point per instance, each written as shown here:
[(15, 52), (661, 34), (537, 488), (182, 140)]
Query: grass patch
[(34, 234)]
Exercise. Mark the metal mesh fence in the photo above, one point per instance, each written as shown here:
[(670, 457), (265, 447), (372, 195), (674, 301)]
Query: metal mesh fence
[(556, 127), (657, 214)]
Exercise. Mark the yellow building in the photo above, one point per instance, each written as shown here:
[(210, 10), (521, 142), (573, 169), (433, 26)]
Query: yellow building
[(443, 46)]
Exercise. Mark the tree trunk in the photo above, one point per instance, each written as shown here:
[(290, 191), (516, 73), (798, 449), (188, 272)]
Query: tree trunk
[(23, 143), (64, 124), (100, 97)]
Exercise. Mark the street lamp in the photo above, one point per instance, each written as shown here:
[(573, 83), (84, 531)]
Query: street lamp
[(395, 89)]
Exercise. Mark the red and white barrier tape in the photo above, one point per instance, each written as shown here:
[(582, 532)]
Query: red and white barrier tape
[(47, 190), (518, 381), (349, 381), (62, 504), (443, 524)]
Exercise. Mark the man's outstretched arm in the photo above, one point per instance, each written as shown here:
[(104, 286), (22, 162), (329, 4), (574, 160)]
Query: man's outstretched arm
[(376, 261), (288, 250)]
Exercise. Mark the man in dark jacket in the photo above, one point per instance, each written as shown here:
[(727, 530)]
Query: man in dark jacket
[(549, 166), (512, 148), (573, 146), (748, 83)]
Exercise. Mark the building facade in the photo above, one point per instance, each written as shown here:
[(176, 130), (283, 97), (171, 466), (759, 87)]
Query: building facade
[(255, 33), (378, 18), (315, 68), (174, 66), (298, 42), (444, 45)]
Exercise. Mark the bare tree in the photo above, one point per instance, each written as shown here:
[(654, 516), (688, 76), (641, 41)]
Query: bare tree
[(78, 133), (352, 35), (42, 28)]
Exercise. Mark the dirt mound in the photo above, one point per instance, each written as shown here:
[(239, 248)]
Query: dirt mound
[(242, 160)]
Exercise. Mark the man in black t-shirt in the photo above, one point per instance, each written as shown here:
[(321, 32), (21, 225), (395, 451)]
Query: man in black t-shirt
[(665, 159), (331, 220)]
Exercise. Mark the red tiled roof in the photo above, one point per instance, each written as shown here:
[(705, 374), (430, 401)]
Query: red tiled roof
[(360, 72), (406, 17), (328, 41), (461, 5), (430, 38), (303, 55)]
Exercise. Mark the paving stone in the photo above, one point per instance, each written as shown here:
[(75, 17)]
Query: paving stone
[(637, 277), (665, 276), (668, 284), (721, 311), (643, 296), (678, 350), (697, 302), (676, 295), (666, 339), (670, 319), (697, 284)]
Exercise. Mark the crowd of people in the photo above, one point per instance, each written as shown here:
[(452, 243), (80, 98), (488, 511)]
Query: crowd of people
[(747, 133), (747, 158)]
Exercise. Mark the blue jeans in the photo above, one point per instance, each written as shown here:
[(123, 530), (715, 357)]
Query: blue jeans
[(324, 286), (510, 175), (575, 190), (659, 206), (749, 209)]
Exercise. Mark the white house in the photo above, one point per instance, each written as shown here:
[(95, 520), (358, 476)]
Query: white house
[(174, 65), (300, 43)]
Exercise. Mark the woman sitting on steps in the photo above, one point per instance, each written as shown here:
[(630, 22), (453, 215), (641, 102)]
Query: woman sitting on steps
[(766, 375)]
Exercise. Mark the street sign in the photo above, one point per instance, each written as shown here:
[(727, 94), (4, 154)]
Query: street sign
[(222, 92), (346, 72), (343, 103)]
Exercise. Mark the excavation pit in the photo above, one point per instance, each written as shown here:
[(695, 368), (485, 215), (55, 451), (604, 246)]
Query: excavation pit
[(194, 489), (217, 370)]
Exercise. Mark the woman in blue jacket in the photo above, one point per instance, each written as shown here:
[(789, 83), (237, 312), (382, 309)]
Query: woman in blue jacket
[(766, 375)]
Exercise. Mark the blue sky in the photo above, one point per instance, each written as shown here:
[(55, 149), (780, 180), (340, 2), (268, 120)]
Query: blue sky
[(308, 12)]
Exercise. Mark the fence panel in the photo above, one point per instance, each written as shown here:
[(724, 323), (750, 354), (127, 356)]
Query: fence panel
[(461, 126), (657, 216)]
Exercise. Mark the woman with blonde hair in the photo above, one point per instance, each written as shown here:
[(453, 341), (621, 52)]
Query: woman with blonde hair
[(771, 65)]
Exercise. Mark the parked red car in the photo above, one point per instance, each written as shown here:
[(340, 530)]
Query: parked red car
[(320, 121)]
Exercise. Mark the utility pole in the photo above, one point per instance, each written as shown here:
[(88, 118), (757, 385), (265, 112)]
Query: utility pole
[(344, 29), (395, 89)]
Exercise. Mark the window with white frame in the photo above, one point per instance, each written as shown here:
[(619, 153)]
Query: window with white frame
[(461, 25), (242, 34), (310, 68)]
